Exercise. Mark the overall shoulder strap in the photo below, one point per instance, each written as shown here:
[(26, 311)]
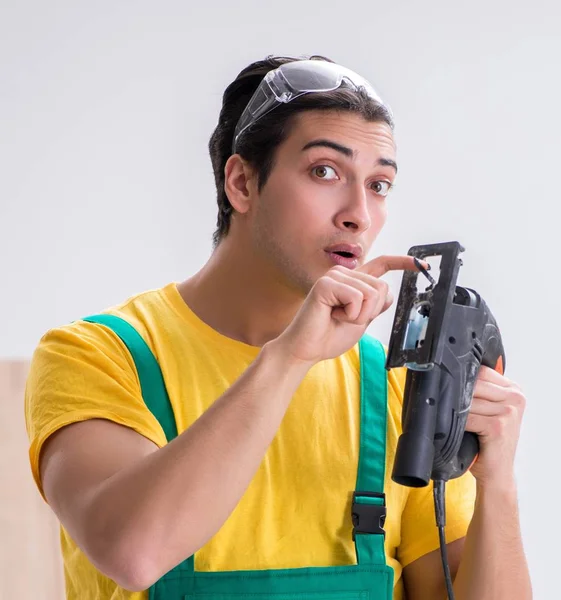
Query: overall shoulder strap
[(373, 415), (369, 501), (150, 375)]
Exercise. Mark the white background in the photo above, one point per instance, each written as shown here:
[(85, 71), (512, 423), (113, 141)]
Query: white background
[(106, 188)]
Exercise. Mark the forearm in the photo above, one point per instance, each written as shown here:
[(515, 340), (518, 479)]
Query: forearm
[(173, 501), (493, 565)]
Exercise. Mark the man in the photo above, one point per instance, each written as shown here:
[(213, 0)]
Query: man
[(244, 487)]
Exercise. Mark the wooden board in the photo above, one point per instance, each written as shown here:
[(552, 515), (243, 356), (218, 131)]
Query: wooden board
[(30, 558)]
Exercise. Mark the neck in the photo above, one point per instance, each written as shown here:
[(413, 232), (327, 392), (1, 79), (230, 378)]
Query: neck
[(237, 294)]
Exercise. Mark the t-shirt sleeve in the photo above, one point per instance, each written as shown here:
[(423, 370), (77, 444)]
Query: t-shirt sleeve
[(83, 371), (419, 533)]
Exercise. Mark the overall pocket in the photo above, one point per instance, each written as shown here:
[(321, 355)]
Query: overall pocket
[(372, 582), (349, 595)]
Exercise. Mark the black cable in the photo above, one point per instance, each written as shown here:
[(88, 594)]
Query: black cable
[(440, 513)]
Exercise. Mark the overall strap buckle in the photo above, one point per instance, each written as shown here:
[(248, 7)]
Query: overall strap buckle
[(368, 516)]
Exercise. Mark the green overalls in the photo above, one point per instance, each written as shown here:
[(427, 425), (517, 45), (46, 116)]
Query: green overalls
[(370, 579)]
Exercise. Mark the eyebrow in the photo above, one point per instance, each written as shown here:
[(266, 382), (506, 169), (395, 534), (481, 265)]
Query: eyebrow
[(348, 152)]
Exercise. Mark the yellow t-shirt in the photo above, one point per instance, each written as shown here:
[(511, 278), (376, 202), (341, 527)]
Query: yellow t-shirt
[(296, 511)]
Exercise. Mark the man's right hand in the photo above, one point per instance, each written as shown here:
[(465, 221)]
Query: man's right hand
[(339, 308)]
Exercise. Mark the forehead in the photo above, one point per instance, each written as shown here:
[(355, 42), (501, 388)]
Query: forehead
[(347, 128)]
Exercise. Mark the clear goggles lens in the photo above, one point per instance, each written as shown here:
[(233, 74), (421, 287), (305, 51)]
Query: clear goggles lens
[(293, 79)]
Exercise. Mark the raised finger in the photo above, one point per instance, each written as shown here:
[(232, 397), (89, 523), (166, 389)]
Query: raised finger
[(382, 264)]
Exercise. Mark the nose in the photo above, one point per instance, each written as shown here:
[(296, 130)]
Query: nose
[(355, 214)]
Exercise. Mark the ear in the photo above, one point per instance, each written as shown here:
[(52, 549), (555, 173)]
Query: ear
[(240, 183)]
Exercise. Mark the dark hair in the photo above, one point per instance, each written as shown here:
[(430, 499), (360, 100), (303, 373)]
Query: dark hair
[(259, 142)]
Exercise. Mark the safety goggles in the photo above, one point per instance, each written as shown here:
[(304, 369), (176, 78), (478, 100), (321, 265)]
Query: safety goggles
[(294, 79)]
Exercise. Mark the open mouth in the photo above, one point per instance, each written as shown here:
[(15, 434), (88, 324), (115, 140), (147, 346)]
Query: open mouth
[(343, 258)]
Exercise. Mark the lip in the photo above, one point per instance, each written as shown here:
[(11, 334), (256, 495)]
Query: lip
[(354, 249), (350, 262)]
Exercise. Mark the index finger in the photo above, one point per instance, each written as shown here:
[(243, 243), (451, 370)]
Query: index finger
[(382, 264)]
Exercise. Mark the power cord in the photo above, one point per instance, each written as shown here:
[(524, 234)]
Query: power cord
[(440, 513)]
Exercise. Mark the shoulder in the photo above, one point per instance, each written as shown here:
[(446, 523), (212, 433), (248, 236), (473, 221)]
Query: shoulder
[(82, 337), (73, 360), (81, 371)]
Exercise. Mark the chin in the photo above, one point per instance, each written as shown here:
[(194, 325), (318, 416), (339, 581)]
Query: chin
[(302, 283)]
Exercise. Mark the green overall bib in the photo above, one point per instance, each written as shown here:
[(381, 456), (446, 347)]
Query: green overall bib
[(370, 579)]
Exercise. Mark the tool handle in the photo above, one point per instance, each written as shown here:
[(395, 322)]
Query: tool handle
[(488, 350)]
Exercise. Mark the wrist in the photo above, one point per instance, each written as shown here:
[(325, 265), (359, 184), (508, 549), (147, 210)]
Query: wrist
[(504, 486), (277, 352)]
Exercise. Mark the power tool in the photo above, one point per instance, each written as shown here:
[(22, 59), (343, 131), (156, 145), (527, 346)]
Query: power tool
[(442, 333)]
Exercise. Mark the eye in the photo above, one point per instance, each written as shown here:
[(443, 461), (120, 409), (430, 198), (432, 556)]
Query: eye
[(324, 172), (382, 188)]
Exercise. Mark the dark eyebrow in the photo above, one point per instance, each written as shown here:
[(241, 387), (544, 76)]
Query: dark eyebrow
[(387, 162), (329, 144), (383, 162)]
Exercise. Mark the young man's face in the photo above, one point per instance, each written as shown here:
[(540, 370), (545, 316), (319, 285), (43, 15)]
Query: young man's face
[(327, 188)]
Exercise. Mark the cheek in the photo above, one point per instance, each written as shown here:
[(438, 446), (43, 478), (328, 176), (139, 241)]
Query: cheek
[(296, 202), (378, 218), (316, 203), (382, 212)]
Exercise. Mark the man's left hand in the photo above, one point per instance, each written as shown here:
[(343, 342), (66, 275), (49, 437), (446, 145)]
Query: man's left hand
[(496, 414)]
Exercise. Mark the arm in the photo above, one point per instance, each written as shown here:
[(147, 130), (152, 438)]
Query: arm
[(490, 563), (137, 510), (424, 578), (493, 564)]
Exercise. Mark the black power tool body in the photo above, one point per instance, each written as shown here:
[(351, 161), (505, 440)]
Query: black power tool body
[(442, 334)]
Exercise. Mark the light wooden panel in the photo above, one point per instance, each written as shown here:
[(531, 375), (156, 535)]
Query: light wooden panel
[(30, 561)]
